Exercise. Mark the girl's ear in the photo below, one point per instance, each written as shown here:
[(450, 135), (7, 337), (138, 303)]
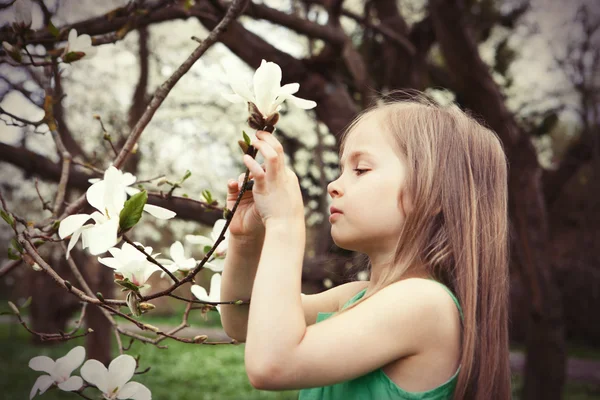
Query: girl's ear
[(405, 202)]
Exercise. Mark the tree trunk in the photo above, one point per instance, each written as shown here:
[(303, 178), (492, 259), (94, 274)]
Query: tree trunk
[(546, 362)]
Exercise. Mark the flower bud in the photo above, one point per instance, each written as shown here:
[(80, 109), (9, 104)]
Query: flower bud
[(244, 146), (147, 306), (272, 120), (14, 308), (151, 327), (200, 339)]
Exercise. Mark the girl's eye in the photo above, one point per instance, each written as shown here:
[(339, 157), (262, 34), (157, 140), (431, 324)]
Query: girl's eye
[(360, 171)]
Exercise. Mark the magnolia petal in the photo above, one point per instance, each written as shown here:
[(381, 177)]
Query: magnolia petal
[(240, 87), (199, 292), (135, 391), (217, 265), (42, 384), (199, 239), (94, 180), (176, 251), (67, 364), (42, 363), (95, 196), (234, 98), (217, 228), (116, 252), (159, 212), (148, 271), (131, 191), (215, 287), (101, 237), (71, 224), (302, 103), (129, 252), (73, 383), (267, 83), (83, 238), (290, 88), (128, 179), (188, 264), (95, 373), (73, 242), (72, 37), (121, 370), (110, 262)]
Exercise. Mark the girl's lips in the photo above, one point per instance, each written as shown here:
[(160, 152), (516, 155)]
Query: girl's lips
[(334, 216)]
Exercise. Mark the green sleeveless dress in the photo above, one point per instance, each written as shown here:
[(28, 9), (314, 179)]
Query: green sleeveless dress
[(376, 385)]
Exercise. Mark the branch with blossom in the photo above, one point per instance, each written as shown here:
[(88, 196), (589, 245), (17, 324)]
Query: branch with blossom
[(118, 209)]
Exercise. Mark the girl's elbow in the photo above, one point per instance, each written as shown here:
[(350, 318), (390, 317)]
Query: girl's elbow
[(261, 377)]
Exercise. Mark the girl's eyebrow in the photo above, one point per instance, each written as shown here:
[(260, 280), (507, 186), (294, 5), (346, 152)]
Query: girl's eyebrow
[(355, 154)]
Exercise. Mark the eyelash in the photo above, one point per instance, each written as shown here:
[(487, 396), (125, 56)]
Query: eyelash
[(362, 171)]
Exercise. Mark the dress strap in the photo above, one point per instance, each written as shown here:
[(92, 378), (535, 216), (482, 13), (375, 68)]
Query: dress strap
[(451, 295)]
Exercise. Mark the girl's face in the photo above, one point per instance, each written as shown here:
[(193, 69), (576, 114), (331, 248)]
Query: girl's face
[(373, 200)]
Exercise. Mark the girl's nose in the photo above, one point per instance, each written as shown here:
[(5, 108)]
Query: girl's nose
[(333, 188)]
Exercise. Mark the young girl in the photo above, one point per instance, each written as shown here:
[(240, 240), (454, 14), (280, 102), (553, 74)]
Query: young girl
[(423, 193)]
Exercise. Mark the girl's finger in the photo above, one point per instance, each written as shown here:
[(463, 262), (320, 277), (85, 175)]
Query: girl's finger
[(255, 168), (272, 159), (274, 144)]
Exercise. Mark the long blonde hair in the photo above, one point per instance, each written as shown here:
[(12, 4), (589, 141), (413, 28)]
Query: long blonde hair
[(458, 229)]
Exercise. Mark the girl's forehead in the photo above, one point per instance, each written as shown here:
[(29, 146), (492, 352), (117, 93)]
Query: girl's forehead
[(367, 132)]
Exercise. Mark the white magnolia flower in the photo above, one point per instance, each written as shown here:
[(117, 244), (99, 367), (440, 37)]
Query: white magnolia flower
[(59, 370), (178, 260), (131, 263), (79, 44), (215, 291), (120, 182), (108, 196), (114, 381), (268, 92), (124, 179), (23, 13), (218, 263), (105, 197)]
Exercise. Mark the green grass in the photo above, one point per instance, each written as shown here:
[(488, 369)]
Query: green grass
[(181, 372)]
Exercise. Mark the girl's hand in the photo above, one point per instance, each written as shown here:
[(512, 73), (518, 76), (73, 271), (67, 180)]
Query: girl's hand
[(276, 189), (246, 221)]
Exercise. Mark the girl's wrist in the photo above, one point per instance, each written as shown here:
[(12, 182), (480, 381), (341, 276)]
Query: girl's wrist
[(285, 224)]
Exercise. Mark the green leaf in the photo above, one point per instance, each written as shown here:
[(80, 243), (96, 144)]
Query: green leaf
[(226, 213), (27, 303), (12, 255), (208, 196), (132, 211), (207, 249), (73, 56), (17, 245), (246, 138), (53, 30), (126, 283), (8, 218), (188, 173), (133, 304)]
